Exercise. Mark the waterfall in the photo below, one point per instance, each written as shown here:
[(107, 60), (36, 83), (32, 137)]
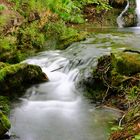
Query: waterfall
[(138, 11), (120, 21)]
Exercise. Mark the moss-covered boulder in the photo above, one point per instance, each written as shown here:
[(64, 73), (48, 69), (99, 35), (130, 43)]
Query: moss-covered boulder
[(126, 63), (4, 124), (113, 73), (16, 77), (116, 83), (130, 17)]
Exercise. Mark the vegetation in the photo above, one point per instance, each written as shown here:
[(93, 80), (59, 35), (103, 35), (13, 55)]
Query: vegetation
[(116, 82), (26, 75), (26, 25)]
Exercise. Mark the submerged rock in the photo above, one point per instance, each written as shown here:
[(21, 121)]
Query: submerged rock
[(16, 77), (4, 124)]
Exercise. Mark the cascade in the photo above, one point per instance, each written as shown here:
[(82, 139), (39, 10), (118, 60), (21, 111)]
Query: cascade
[(138, 11), (120, 21)]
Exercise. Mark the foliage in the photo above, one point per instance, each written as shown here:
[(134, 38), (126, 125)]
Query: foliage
[(116, 128), (68, 10), (30, 37), (6, 44), (2, 7), (64, 35), (4, 105), (4, 125), (137, 137)]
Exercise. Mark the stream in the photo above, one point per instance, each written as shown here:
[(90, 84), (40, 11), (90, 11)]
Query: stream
[(57, 110)]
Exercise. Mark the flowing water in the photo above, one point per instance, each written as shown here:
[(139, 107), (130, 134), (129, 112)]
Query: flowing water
[(57, 110), (138, 11), (120, 21)]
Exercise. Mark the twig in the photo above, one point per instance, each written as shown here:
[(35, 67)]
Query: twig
[(105, 94), (57, 69), (120, 122), (132, 51)]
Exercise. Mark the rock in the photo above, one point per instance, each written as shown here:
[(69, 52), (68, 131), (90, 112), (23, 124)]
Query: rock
[(130, 17), (111, 72), (126, 63), (17, 77), (118, 3), (4, 124)]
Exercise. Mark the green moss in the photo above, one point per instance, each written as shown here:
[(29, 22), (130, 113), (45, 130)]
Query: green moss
[(17, 77), (4, 105), (4, 124), (2, 65), (132, 114), (11, 69), (126, 63)]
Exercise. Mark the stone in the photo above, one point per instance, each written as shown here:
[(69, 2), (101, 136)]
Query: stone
[(118, 3), (18, 76)]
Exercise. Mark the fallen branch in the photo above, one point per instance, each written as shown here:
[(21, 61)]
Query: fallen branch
[(57, 69)]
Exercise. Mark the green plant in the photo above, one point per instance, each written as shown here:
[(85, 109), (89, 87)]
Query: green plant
[(30, 37), (116, 128), (137, 137), (2, 7)]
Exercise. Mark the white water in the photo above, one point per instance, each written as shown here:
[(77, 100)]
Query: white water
[(138, 11), (56, 110), (120, 21)]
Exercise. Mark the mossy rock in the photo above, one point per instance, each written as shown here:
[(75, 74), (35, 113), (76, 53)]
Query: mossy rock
[(4, 105), (17, 77), (2, 65), (4, 124), (118, 3), (65, 41), (112, 72), (126, 63)]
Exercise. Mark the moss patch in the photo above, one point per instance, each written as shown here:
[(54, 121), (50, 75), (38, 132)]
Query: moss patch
[(4, 124)]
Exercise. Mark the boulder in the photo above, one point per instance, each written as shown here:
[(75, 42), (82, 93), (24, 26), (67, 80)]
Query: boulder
[(16, 77), (118, 3), (130, 17)]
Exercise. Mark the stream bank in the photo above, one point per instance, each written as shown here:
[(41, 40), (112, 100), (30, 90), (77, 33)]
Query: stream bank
[(28, 33)]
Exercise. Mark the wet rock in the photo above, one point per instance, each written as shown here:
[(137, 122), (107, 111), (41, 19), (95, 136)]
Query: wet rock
[(130, 17), (4, 124), (112, 72), (17, 77), (126, 63), (118, 3)]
